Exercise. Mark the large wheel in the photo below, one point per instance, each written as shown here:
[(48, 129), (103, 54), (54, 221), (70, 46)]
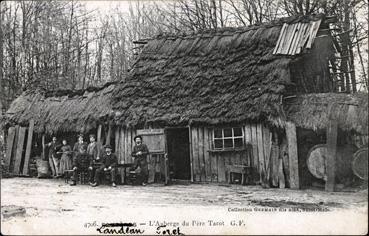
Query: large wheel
[(316, 161), (360, 163)]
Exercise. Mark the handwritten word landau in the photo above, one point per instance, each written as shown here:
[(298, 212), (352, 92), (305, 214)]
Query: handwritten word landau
[(120, 228)]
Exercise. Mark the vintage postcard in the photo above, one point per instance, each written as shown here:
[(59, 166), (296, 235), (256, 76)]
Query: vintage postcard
[(188, 117)]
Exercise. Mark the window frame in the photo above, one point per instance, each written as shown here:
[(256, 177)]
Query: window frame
[(233, 137)]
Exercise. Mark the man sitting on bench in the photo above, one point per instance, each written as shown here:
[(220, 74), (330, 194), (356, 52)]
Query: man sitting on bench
[(81, 163), (109, 162)]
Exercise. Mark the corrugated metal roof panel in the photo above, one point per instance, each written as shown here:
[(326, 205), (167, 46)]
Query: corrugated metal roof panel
[(293, 38)]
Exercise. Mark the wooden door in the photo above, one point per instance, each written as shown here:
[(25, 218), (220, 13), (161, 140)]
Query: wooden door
[(157, 161)]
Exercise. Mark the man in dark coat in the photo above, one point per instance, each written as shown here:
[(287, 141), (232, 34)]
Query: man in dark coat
[(54, 159), (77, 146), (109, 162), (140, 152), (93, 149), (82, 162)]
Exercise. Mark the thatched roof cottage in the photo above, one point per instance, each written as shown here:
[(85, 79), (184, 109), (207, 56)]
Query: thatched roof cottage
[(212, 101)]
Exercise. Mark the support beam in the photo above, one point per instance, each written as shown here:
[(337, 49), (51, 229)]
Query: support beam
[(331, 155), (43, 157), (14, 151), (108, 136), (19, 153), (29, 147), (9, 146), (292, 155), (99, 129)]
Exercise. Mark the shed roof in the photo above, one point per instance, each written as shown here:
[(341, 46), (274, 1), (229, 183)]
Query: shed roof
[(313, 111), (62, 110)]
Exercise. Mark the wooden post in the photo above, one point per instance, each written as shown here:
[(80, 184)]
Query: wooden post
[(117, 150), (292, 155), (43, 147), (29, 146), (14, 151), (191, 154), (99, 128), (281, 181), (9, 147), (108, 136), (18, 156), (259, 133), (331, 155)]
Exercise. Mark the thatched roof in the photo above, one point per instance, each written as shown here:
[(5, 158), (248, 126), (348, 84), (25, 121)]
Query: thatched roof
[(213, 77), (53, 111), (313, 111), (223, 76)]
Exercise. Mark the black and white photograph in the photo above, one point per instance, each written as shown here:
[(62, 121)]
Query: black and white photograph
[(184, 117)]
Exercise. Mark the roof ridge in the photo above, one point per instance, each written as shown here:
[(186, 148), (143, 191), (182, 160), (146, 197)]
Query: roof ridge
[(239, 29), (69, 92)]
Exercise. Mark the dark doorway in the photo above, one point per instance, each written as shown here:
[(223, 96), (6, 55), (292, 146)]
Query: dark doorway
[(178, 153)]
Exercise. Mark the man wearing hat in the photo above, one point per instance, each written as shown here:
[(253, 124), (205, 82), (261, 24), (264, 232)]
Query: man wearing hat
[(77, 146), (109, 162), (81, 163), (54, 159), (140, 152), (93, 149)]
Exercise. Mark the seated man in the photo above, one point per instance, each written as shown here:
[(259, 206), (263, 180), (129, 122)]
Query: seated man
[(109, 162), (81, 163)]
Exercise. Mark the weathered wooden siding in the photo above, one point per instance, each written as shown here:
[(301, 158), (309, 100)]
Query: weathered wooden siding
[(124, 144), (211, 166), (208, 165)]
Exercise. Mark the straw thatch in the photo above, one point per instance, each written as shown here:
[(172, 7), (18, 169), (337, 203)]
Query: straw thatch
[(224, 76), (62, 111), (313, 111), (213, 77)]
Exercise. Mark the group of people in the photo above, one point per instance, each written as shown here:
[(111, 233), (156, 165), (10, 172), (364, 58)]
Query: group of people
[(90, 158)]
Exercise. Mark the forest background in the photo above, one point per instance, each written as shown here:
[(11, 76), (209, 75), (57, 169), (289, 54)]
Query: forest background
[(77, 44)]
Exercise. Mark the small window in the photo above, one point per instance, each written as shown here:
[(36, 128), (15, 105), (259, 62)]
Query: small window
[(228, 138), (218, 133), (228, 133)]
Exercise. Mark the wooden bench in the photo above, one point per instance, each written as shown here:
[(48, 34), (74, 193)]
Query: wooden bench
[(244, 170), (83, 176)]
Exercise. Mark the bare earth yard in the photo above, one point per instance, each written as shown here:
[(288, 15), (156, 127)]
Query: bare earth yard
[(45, 206)]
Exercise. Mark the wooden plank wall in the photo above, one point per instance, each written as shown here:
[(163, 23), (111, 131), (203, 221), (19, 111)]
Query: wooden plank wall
[(28, 148), (19, 151), (124, 144), (9, 146), (212, 166)]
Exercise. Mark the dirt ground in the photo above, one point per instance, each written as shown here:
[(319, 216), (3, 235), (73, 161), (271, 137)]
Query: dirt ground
[(36, 206)]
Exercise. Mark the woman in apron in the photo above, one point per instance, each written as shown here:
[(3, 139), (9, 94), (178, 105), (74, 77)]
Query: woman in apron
[(65, 160)]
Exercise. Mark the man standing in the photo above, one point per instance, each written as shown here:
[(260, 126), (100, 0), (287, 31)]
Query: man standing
[(77, 146), (108, 164), (53, 158), (140, 152), (93, 149), (81, 163)]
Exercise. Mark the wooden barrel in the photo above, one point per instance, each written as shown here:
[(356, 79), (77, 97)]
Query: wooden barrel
[(316, 161), (360, 163), (42, 168)]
